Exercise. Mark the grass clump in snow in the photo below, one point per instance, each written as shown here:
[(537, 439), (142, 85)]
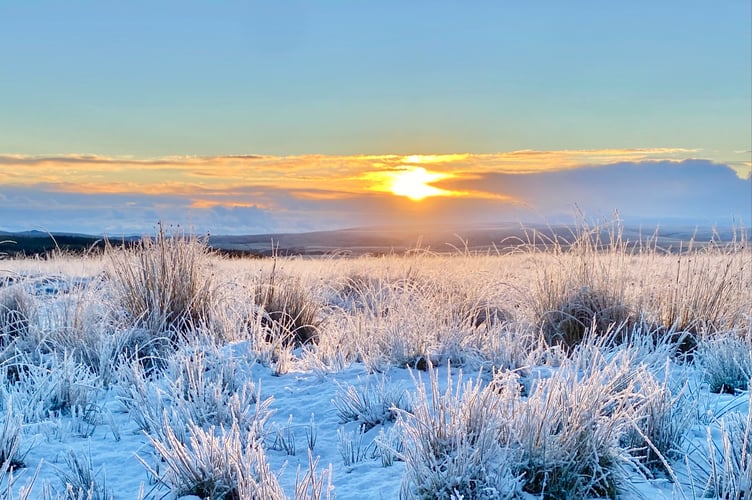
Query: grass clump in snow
[(567, 431), (198, 385), (50, 385), (724, 468), (11, 454), (577, 311), (706, 291), (81, 480), (288, 313), (581, 286), (215, 463), (16, 311), (164, 284), (661, 419), (80, 326), (371, 405), (726, 360), (452, 442)]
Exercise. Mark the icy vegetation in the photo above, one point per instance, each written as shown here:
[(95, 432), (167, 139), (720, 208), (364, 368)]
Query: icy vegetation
[(587, 368)]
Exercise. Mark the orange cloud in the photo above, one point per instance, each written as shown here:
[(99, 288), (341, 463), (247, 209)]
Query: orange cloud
[(312, 177), (215, 203)]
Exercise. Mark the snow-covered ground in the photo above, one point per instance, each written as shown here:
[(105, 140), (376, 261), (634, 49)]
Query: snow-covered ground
[(500, 394)]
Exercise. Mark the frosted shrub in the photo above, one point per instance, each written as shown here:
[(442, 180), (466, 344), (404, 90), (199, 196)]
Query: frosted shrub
[(11, 454), (164, 284), (452, 441), (16, 312), (725, 470), (661, 419), (568, 430), (215, 463), (288, 312), (371, 404), (52, 386), (726, 360)]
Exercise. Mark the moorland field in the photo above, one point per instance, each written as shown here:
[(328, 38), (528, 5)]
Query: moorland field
[(570, 366)]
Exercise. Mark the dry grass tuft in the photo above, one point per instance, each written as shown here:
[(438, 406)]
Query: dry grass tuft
[(164, 284), (581, 286), (217, 464), (581, 310), (289, 313), (16, 312)]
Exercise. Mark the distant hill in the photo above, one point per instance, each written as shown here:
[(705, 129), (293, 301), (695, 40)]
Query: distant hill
[(375, 241), (38, 243), (488, 238)]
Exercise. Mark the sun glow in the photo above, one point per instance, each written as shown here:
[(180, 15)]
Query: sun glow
[(415, 183)]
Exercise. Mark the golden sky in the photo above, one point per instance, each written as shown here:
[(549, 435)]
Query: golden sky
[(253, 193), (316, 176)]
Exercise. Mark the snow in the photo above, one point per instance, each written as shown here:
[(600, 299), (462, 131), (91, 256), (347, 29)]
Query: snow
[(299, 397), (302, 404)]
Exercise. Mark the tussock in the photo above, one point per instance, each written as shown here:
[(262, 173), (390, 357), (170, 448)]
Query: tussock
[(164, 284)]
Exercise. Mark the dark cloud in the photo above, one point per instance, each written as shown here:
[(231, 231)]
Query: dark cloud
[(696, 190)]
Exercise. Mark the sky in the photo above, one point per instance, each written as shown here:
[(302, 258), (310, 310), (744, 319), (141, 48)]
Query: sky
[(256, 117)]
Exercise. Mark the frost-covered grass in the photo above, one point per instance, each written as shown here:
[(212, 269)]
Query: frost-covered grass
[(588, 369)]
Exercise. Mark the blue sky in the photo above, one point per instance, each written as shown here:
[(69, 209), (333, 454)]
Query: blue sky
[(187, 82)]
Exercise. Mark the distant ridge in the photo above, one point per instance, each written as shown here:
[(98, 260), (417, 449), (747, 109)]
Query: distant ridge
[(375, 240)]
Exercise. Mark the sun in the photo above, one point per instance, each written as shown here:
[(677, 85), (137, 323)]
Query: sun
[(415, 183)]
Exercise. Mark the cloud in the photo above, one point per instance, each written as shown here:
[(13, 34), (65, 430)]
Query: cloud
[(697, 190), (252, 193)]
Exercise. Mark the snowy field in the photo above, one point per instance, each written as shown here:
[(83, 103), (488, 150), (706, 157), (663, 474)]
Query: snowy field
[(167, 372)]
